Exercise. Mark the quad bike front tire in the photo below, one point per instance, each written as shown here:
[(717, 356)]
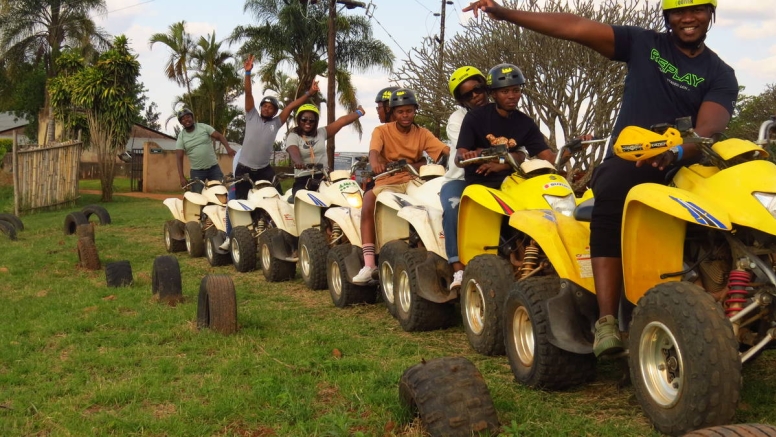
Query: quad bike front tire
[(683, 359), (742, 430), (98, 211), (275, 270), (14, 220), (486, 282), (217, 304), (195, 241), (214, 258), (8, 229), (72, 221), (343, 292), (243, 249), (414, 312), (166, 278), (313, 249), (389, 254), (118, 274), (88, 257), (174, 227), (535, 362), (450, 396)]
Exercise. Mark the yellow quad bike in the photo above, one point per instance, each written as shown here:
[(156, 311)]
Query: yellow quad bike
[(699, 259), (495, 254)]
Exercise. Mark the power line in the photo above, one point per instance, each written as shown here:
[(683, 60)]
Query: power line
[(127, 7), (418, 2), (370, 12)]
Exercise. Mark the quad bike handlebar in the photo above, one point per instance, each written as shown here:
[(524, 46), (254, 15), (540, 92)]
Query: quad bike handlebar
[(572, 148), (396, 167), (495, 153)]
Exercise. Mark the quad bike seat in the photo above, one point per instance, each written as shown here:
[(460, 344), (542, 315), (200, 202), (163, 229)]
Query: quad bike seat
[(584, 211)]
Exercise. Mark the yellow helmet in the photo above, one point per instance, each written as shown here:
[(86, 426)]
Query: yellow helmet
[(307, 107), (674, 4), (462, 74)]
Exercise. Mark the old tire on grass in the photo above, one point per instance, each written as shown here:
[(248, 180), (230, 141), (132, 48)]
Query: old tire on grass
[(217, 304), (274, 269), (243, 249), (450, 396), (86, 230), (166, 278), (535, 362), (101, 213), (486, 283), (195, 241), (14, 220), (313, 249), (343, 292), (389, 254), (742, 430), (8, 229), (118, 274), (87, 254), (212, 252), (72, 221), (683, 359), (172, 228), (414, 312)]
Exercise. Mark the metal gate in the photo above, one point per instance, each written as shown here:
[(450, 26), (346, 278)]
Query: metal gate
[(136, 171)]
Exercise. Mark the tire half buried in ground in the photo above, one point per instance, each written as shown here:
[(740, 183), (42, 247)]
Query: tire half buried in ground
[(217, 304)]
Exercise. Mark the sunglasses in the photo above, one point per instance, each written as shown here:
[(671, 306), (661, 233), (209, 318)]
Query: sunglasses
[(307, 120), (479, 89)]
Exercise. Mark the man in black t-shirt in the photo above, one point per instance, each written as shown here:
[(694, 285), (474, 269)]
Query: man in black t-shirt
[(671, 74)]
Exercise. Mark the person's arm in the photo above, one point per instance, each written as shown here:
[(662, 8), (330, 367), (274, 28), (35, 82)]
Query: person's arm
[(249, 103), (466, 144), (343, 121), (286, 112), (597, 36), (179, 160), (292, 148), (222, 139), (376, 144)]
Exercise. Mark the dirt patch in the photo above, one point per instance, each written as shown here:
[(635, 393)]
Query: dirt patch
[(155, 196)]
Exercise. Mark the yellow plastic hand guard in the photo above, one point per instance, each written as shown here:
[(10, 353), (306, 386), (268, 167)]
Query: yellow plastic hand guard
[(636, 143)]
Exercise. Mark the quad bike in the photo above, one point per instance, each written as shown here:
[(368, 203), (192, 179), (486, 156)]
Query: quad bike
[(319, 233), (264, 224), (194, 216), (494, 253), (699, 264)]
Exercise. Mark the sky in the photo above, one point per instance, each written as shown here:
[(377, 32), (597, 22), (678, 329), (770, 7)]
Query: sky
[(744, 36)]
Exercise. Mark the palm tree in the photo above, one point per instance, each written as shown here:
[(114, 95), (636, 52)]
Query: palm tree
[(216, 78), (181, 48)]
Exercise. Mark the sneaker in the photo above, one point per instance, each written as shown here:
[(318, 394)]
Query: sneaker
[(364, 275), (607, 337), (225, 244), (457, 280)]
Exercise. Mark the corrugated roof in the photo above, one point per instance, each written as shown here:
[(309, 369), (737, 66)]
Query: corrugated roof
[(9, 122)]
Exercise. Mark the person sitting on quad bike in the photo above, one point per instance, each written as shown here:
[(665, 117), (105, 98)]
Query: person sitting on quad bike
[(671, 74), (383, 100), (306, 143), (488, 126), (400, 139)]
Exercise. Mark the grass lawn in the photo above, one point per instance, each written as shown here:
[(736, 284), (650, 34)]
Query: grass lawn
[(79, 358)]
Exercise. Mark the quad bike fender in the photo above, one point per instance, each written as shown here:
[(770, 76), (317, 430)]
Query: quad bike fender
[(388, 225), (281, 212), (349, 220), (353, 262), (307, 209), (175, 206), (428, 224), (195, 198), (433, 276), (565, 242), (282, 246), (192, 206), (653, 232), (480, 215), (239, 211), (217, 215), (572, 313), (529, 193)]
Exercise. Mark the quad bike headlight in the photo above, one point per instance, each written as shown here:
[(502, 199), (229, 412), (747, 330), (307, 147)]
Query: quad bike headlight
[(562, 204), (768, 200), (354, 199)]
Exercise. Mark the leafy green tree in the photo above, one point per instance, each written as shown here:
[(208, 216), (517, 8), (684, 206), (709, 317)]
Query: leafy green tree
[(151, 117), (751, 112), (181, 47), (105, 93), (218, 83)]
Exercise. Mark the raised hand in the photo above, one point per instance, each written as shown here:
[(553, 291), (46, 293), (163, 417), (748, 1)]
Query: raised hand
[(249, 63)]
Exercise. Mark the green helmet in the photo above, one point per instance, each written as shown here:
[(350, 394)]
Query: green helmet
[(307, 107), (461, 75), (504, 75), (184, 111), (403, 96), (384, 94), (675, 4)]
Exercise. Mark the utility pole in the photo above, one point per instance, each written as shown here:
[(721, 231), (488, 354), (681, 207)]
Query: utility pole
[(441, 67)]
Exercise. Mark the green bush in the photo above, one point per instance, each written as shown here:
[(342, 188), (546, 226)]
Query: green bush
[(6, 145)]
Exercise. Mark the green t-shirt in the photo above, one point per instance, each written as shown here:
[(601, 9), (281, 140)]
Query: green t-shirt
[(198, 146)]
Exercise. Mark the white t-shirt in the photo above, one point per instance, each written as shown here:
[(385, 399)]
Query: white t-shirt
[(312, 149), (453, 129)]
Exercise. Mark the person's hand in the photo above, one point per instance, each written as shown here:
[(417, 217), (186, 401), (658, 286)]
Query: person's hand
[(248, 64), (313, 89), (361, 108), (490, 167), (183, 182), (231, 152), (378, 166), (660, 161), (490, 7), (469, 154), (299, 165)]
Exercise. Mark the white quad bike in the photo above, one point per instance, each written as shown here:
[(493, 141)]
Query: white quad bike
[(319, 233), (194, 217), (263, 223)]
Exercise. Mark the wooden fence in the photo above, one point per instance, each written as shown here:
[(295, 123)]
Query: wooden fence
[(47, 176)]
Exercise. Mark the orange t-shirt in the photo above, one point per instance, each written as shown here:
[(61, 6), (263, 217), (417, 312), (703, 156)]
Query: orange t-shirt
[(394, 145)]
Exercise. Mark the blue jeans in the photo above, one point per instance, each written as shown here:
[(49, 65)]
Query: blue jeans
[(213, 173), (450, 195), (231, 194)]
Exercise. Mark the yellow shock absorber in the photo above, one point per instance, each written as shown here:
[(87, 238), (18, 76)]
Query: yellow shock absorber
[(336, 232), (530, 260)]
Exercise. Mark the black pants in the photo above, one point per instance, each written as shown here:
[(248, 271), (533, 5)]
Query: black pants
[(262, 174), (301, 183)]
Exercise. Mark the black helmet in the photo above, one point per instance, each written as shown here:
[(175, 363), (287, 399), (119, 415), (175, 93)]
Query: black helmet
[(183, 112), (271, 100), (403, 96), (504, 75), (384, 94)]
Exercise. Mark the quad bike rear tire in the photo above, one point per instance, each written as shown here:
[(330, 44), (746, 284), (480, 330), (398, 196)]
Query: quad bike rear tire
[(536, 362), (414, 312), (450, 396), (217, 304), (8, 229), (72, 221), (166, 278), (101, 213), (87, 254), (343, 292), (683, 359), (214, 258), (742, 430), (313, 249), (243, 249), (389, 255), (14, 220), (486, 283), (118, 274), (274, 269), (171, 228), (195, 241)]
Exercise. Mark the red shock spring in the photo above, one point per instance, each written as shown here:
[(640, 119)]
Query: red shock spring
[(737, 294)]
